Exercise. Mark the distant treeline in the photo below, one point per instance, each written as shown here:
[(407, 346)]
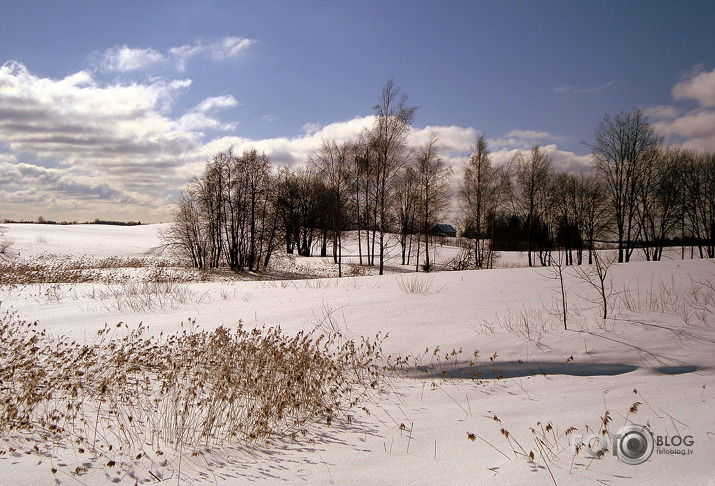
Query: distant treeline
[(42, 220)]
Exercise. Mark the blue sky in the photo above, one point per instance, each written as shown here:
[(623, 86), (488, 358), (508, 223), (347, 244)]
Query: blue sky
[(108, 108)]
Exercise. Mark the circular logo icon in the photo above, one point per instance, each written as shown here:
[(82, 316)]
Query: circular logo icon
[(633, 444)]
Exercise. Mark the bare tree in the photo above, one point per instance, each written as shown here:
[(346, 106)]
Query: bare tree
[(188, 235), (309, 208), (332, 165), (433, 178), (659, 209), (388, 153), (498, 205), (624, 150), (698, 203), (364, 201), (533, 177), (708, 172), (238, 225), (211, 192), (478, 195), (408, 200), (566, 216), (592, 207), (287, 201)]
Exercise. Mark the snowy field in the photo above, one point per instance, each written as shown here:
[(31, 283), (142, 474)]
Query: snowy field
[(505, 415)]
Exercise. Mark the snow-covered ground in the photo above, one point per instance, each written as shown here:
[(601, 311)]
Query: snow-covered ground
[(436, 422)]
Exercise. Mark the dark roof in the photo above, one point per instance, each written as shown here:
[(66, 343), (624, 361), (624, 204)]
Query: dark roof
[(445, 228)]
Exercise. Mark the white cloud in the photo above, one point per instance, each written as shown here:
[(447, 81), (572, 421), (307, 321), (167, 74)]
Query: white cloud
[(561, 160), (523, 139), (29, 190), (125, 59), (695, 129), (533, 135), (196, 121), (219, 50), (292, 151), (690, 128), (182, 54), (698, 85), (198, 117), (694, 124), (662, 112), (230, 47), (109, 142), (310, 128), (584, 90), (454, 143), (216, 103), (450, 139), (62, 182)]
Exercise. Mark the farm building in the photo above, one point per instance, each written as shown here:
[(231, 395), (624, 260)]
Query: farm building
[(444, 230)]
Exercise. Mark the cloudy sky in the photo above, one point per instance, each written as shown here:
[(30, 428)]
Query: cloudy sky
[(108, 108)]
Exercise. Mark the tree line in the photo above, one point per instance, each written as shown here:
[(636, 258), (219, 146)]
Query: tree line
[(639, 194)]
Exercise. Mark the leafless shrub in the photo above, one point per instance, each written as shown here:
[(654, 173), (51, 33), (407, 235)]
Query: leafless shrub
[(702, 298), (596, 277), (53, 292), (5, 244), (464, 260), (528, 322), (415, 284), (485, 327), (327, 322), (141, 296), (356, 271)]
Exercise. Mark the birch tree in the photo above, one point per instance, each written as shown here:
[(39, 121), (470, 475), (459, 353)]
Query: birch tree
[(387, 155)]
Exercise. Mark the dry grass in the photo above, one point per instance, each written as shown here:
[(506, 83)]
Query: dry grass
[(560, 447), (126, 394), (50, 268), (694, 303)]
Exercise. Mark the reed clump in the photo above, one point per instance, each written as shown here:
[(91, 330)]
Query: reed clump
[(51, 268), (125, 393)]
